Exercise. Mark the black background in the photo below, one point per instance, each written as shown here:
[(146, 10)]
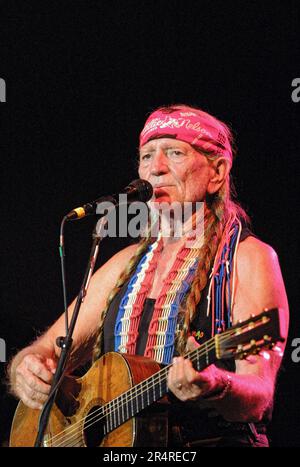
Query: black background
[(81, 77)]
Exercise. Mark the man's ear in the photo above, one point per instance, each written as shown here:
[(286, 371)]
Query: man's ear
[(220, 169)]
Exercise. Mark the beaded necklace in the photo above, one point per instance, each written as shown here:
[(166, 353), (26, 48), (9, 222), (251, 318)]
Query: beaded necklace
[(223, 268), (161, 332)]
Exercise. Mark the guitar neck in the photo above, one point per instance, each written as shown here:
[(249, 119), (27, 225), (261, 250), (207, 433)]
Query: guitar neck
[(240, 340), (141, 396)]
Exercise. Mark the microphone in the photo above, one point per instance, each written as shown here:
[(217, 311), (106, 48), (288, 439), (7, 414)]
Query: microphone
[(137, 190)]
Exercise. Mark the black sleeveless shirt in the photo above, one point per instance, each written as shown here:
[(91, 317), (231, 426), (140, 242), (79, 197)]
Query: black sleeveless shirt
[(200, 327), (191, 425)]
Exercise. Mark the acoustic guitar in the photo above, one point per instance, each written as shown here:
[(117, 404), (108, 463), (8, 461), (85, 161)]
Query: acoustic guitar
[(121, 400)]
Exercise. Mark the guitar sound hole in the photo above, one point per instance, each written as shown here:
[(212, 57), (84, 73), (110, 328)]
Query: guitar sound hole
[(93, 427)]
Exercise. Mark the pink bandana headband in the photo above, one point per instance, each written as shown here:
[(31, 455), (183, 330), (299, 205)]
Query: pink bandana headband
[(190, 125)]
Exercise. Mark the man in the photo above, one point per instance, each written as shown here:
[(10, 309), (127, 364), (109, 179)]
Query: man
[(186, 154)]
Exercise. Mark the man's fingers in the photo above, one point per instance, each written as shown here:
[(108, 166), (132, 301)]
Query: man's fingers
[(38, 368), (190, 373), (34, 395), (192, 344), (51, 365), (31, 403), (34, 382)]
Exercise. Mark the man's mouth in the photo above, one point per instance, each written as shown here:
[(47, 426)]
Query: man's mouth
[(160, 185), (160, 191)]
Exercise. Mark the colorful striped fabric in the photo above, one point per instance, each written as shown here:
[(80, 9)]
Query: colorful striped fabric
[(160, 343), (220, 292), (162, 328)]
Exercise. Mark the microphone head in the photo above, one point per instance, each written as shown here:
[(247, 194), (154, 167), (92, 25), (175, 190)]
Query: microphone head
[(142, 190)]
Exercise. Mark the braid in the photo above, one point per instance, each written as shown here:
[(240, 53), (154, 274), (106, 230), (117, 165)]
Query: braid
[(214, 221), (120, 282), (220, 210)]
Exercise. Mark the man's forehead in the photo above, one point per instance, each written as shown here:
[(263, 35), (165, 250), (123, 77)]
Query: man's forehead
[(164, 143)]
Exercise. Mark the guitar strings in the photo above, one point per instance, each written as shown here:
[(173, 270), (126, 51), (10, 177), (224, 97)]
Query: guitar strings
[(135, 390), (118, 400), (116, 407), (117, 404)]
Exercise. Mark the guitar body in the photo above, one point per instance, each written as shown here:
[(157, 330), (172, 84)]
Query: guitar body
[(120, 400), (110, 376)]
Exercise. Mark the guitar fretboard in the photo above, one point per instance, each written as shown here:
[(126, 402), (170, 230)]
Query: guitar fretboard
[(133, 401)]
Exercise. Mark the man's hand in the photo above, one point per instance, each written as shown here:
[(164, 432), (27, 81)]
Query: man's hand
[(32, 379), (187, 384)]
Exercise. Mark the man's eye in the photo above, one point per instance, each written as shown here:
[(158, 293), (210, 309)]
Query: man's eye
[(145, 157), (175, 153)]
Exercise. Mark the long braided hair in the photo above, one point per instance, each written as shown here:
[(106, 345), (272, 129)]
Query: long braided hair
[(220, 210), (125, 275)]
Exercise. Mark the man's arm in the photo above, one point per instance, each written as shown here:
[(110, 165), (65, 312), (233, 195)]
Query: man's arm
[(259, 285), (31, 370), (250, 390)]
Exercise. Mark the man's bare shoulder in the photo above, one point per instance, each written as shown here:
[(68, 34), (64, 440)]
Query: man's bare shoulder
[(121, 258), (258, 266), (259, 282), (253, 251), (116, 264)]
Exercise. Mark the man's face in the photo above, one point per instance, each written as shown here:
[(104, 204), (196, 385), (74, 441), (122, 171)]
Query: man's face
[(175, 169)]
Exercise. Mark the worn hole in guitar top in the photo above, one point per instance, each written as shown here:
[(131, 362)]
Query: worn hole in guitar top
[(93, 430)]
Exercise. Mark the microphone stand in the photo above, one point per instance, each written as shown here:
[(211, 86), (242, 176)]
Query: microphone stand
[(65, 343)]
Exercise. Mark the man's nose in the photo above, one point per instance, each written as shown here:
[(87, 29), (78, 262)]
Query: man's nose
[(159, 163)]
